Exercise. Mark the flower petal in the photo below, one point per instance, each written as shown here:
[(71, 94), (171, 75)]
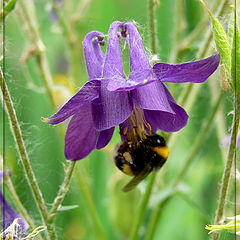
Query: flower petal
[(138, 56), (152, 97), (136, 79), (141, 72), (195, 72), (80, 138), (86, 94), (9, 214), (166, 121), (111, 109), (92, 55), (113, 64), (98, 51), (104, 137)]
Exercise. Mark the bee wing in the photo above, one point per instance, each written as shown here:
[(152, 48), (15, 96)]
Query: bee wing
[(137, 179)]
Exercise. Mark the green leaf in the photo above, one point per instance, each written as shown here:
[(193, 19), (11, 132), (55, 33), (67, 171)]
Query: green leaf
[(222, 44), (235, 68), (8, 8), (67, 208)]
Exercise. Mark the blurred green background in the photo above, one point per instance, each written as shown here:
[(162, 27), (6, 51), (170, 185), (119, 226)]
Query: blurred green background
[(186, 214)]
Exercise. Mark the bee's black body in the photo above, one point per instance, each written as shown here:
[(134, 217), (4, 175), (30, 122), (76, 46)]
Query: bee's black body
[(142, 157)]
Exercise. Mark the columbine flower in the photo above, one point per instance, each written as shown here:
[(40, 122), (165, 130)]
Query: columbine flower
[(140, 103), (13, 224), (232, 226)]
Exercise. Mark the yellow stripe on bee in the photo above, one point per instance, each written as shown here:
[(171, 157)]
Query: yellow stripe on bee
[(162, 151), (127, 156), (127, 169)]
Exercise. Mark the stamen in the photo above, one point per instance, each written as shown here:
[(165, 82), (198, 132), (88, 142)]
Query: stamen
[(137, 126)]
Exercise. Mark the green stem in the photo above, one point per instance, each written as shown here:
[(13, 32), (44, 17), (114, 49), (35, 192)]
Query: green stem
[(152, 26), (27, 18), (24, 157), (90, 205), (197, 145), (17, 201), (62, 192), (154, 218), (142, 207), (228, 167)]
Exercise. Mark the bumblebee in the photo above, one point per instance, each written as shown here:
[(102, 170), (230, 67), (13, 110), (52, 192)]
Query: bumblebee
[(141, 158)]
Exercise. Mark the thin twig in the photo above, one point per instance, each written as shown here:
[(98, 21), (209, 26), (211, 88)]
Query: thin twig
[(62, 192), (29, 24), (17, 133), (90, 205)]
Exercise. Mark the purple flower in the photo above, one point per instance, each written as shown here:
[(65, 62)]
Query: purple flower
[(9, 216), (140, 103)]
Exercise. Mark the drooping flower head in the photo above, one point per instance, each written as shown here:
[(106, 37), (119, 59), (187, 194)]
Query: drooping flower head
[(11, 221), (139, 103)]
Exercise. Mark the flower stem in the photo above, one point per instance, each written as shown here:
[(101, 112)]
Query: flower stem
[(62, 192), (152, 26), (27, 17), (25, 158), (154, 218), (228, 167), (90, 205), (142, 207)]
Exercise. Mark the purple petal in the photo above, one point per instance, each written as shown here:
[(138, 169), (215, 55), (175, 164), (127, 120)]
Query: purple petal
[(9, 215), (141, 72), (152, 97), (113, 64), (80, 138), (122, 127), (136, 79), (111, 109), (92, 55), (2, 173), (138, 56), (86, 94), (165, 121), (98, 51), (104, 137), (195, 72)]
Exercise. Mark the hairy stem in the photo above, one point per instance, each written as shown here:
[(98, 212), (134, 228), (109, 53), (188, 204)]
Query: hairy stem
[(25, 158), (152, 26), (228, 167), (27, 17), (90, 205), (142, 207), (62, 192)]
